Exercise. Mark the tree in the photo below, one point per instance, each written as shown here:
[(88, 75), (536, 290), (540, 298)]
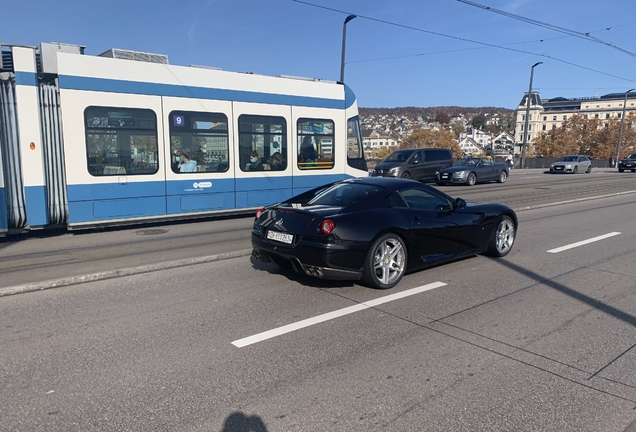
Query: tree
[(458, 129), (431, 138), (479, 121), (442, 117), (382, 153), (588, 136)]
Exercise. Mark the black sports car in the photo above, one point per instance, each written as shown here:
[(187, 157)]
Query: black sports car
[(377, 228)]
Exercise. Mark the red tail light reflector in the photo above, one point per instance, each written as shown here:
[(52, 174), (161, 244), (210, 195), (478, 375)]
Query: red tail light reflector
[(327, 226), (259, 212)]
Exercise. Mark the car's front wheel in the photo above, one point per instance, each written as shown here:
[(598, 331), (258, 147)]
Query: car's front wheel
[(502, 177), (406, 175), (502, 238), (576, 169), (589, 169), (385, 263), (471, 179)]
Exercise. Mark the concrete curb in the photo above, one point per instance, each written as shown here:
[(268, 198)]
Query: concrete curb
[(74, 280)]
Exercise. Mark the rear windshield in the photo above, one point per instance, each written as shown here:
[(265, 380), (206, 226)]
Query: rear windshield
[(343, 194)]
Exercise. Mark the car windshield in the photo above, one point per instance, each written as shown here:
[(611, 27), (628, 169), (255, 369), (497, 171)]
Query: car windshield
[(467, 162), (343, 194), (398, 156), (632, 156), (569, 159)]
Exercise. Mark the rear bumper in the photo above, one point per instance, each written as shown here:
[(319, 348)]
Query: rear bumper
[(308, 260)]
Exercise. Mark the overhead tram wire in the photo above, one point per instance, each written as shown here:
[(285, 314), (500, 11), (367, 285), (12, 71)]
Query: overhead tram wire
[(582, 35), (466, 40)]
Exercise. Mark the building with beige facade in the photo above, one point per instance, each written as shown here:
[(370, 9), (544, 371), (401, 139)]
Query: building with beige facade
[(546, 114)]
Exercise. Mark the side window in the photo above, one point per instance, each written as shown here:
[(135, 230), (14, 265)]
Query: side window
[(121, 141), (199, 142), (417, 157), (431, 156), (395, 200), (354, 139), (262, 143), (315, 143), (444, 155), (420, 199)]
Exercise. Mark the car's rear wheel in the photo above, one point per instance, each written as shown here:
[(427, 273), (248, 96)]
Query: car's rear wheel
[(502, 238), (385, 263), (472, 179), (502, 177), (406, 175), (576, 169)]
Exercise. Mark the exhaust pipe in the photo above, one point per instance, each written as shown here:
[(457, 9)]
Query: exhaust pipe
[(311, 271)]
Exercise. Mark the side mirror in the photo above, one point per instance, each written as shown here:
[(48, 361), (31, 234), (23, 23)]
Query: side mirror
[(459, 203)]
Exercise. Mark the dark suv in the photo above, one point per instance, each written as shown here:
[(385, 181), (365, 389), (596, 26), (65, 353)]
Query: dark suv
[(629, 163), (418, 164)]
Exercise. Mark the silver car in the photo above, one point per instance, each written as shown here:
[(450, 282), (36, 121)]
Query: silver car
[(572, 164)]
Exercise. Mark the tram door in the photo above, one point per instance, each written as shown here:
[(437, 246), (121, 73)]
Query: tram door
[(263, 161), (198, 155)]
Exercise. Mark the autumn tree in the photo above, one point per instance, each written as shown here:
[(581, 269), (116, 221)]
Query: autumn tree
[(588, 136), (382, 153), (432, 138), (442, 117)]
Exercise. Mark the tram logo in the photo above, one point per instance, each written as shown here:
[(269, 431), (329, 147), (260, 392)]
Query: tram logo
[(201, 185)]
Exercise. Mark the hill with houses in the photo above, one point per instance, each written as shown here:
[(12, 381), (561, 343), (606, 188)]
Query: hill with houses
[(476, 129)]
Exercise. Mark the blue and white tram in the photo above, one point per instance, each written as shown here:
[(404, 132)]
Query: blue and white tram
[(97, 140)]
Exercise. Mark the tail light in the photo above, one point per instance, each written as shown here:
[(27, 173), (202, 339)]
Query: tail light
[(327, 226), (259, 212)]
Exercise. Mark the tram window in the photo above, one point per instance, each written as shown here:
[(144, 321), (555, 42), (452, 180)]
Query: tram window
[(354, 139), (315, 143), (265, 135), (200, 141), (121, 141)]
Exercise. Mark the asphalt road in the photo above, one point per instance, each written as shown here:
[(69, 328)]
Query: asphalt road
[(28, 261), (541, 340)]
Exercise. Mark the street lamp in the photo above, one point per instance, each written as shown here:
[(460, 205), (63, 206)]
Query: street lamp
[(522, 162), (620, 134), (344, 40)]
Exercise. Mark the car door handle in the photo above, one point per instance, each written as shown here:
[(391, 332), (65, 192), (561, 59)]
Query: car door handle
[(417, 218)]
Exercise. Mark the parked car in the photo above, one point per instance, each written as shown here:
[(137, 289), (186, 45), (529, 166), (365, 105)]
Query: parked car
[(473, 170), (417, 164), (572, 164), (628, 163), (376, 229)]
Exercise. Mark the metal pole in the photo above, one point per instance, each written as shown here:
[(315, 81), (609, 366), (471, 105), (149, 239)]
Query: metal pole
[(344, 40), (522, 162), (620, 134)]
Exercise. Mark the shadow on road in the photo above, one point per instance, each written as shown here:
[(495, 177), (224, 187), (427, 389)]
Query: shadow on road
[(239, 422)]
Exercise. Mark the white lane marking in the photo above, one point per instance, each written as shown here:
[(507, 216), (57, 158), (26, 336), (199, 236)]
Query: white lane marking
[(584, 242), (332, 315)]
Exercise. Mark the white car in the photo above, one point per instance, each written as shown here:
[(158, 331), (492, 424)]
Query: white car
[(572, 164)]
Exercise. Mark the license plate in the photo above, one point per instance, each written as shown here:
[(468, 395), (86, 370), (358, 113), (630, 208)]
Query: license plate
[(445, 176), (559, 168), (279, 236)]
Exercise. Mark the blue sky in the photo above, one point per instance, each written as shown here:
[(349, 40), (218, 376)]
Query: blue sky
[(399, 52)]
